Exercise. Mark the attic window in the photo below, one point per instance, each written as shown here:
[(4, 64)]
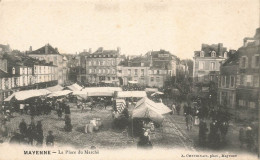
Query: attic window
[(225, 55), (202, 54), (213, 54), (13, 70), (95, 56), (100, 55), (104, 55)]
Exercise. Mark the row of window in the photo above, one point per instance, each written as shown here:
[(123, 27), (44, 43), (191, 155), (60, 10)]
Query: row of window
[(44, 70), (205, 65), (255, 62), (213, 54), (101, 78), (244, 103), (100, 56), (101, 63), (102, 71), (8, 83), (129, 72), (156, 79), (227, 81), (249, 80)]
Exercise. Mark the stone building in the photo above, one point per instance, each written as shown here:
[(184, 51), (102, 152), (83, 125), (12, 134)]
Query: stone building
[(22, 73), (134, 71), (101, 66), (227, 81), (207, 62), (150, 70), (248, 84), (50, 54)]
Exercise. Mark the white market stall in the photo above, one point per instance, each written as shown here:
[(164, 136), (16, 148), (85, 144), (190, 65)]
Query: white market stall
[(146, 108), (55, 88), (129, 94), (74, 87), (60, 93), (23, 95), (151, 89), (97, 91)]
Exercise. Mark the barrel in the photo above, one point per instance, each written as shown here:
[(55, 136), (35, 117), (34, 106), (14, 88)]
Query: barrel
[(90, 128)]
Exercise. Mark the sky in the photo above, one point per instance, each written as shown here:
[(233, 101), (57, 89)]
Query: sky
[(178, 26)]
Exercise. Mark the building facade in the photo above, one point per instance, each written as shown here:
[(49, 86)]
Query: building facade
[(206, 64), (101, 66), (248, 84), (133, 70), (150, 70), (228, 81), (27, 73), (50, 54)]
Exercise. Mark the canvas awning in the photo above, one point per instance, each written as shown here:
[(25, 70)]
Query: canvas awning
[(98, 91), (159, 93), (55, 88), (133, 82), (60, 93), (146, 108), (23, 95), (151, 89), (74, 87), (126, 94), (9, 98)]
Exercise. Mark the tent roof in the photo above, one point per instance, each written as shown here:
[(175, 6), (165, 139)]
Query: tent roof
[(23, 95), (55, 88), (146, 108), (125, 94), (98, 91), (75, 87), (60, 93), (151, 89)]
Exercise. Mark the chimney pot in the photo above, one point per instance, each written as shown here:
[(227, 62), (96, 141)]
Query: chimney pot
[(46, 49)]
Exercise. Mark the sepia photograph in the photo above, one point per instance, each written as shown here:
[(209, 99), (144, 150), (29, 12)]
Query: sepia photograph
[(128, 79)]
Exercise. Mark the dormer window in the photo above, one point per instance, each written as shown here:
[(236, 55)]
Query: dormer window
[(225, 55), (213, 54), (13, 70), (202, 54)]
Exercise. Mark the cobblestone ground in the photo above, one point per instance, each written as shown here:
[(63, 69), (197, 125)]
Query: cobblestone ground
[(172, 135), (169, 136)]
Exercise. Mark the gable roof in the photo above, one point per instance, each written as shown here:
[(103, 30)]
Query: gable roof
[(47, 48)]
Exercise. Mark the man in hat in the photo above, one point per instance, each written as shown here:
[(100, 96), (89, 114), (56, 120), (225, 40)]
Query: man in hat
[(50, 139), (203, 132), (23, 127)]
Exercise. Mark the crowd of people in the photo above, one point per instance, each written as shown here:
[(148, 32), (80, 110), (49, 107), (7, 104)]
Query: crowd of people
[(31, 134)]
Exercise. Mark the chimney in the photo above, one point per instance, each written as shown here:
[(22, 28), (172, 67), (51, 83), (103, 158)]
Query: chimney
[(220, 49), (30, 49), (46, 48), (118, 50), (90, 50), (245, 42), (100, 49)]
